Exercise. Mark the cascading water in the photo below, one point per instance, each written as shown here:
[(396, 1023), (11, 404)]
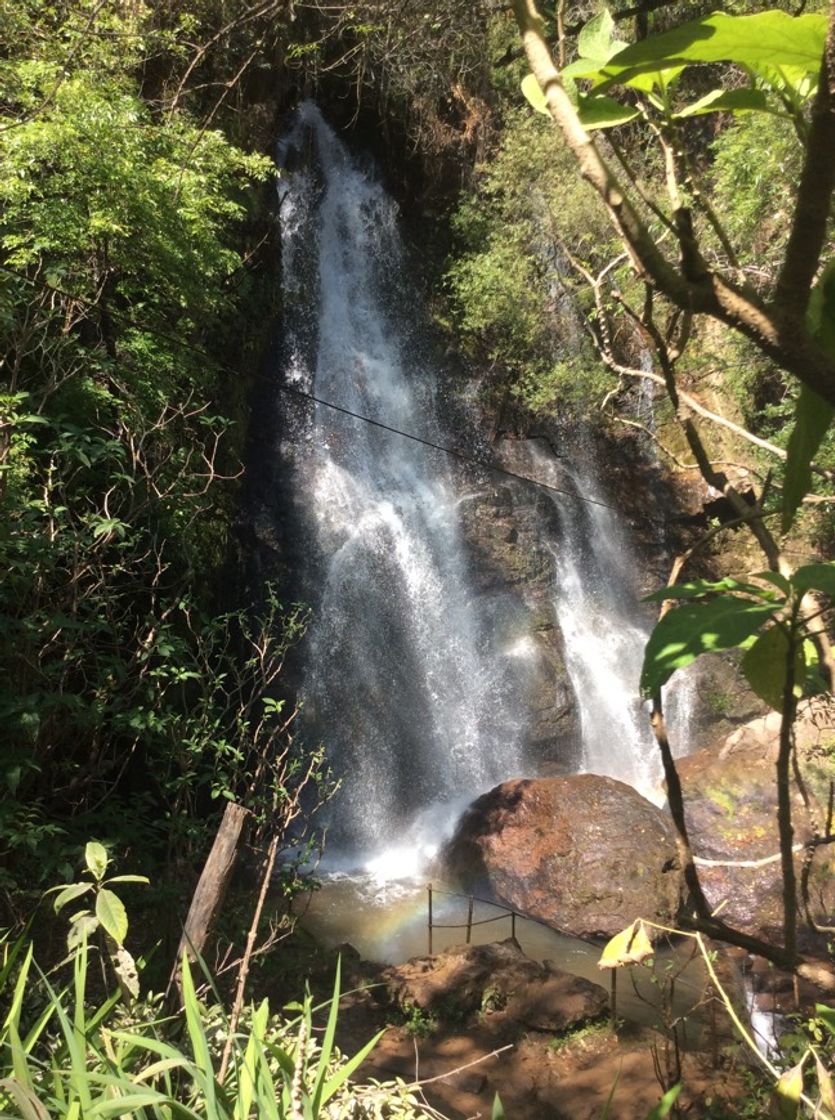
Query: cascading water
[(603, 632), (401, 681)]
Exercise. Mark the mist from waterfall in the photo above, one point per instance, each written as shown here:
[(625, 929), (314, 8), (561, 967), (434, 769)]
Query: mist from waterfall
[(400, 680)]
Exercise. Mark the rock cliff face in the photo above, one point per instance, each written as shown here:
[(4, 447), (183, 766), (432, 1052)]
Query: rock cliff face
[(585, 854), (730, 798)]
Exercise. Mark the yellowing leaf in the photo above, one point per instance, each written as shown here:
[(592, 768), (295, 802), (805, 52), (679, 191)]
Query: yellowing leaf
[(825, 1087), (785, 1100), (630, 946), (95, 856)]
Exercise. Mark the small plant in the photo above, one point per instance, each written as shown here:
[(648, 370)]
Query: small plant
[(416, 1021), (579, 1034), (106, 914)]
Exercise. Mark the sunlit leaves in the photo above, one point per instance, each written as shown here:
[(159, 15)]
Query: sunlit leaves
[(631, 946), (695, 628), (781, 53), (765, 666), (729, 613), (761, 42)]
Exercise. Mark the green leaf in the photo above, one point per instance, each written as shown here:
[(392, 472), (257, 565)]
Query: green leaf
[(666, 1103), (595, 41), (533, 92), (69, 893), (497, 1112), (811, 420), (764, 666), (701, 588), (731, 101), (129, 879), (604, 112), (815, 577), (826, 1016), (111, 913), (95, 856), (688, 631), (776, 579), (760, 42)]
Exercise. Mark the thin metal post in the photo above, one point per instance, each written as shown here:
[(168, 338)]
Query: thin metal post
[(429, 893), (470, 920), (714, 1041)]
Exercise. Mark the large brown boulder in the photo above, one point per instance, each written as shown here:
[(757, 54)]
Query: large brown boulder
[(585, 854), (730, 796)]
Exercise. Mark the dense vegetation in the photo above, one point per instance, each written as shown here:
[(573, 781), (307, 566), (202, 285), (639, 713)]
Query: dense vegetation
[(138, 692), (128, 230)]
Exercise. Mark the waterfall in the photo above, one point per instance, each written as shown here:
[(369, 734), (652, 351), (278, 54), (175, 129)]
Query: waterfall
[(425, 685), (401, 681), (604, 630)]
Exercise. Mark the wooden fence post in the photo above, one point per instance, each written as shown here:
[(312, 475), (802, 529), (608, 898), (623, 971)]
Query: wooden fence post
[(212, 884)]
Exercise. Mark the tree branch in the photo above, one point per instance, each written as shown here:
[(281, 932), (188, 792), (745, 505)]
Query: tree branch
[(814, 194), (782, 338)]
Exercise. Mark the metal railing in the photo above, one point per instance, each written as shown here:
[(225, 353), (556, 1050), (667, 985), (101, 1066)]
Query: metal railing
[(469, 925)]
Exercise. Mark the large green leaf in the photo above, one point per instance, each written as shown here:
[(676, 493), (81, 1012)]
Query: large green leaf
[(70, 893), (694, 628), (766, 40), (815, 577), (534, 95), (732, 101), (813, 414), (785, 1099), (595, 41), (604, 112), (701, 588), (111, 913), (764, 666), (594, 112)]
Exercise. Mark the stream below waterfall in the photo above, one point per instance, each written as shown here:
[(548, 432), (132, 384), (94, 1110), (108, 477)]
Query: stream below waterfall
[(417, 679)]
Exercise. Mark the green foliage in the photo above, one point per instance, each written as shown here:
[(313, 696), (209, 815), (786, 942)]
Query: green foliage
[(130, 703), (762, 618), (512, 300), (62, 1056), (780, 51)]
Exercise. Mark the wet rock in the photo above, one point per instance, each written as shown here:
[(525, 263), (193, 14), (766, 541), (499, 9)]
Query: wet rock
[(730, 794), (495, 980), (583, 853)]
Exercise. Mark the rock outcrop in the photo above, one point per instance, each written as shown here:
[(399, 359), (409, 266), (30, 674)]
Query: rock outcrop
[(495, 979), (730, 795), (583, 853)]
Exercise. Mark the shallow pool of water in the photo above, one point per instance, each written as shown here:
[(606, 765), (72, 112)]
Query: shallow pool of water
[(388, 922)]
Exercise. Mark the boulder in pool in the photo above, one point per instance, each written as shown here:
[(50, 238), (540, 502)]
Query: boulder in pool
[(583, 853)]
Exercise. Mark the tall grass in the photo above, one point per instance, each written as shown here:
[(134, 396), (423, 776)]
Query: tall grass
[(63, 1059)]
